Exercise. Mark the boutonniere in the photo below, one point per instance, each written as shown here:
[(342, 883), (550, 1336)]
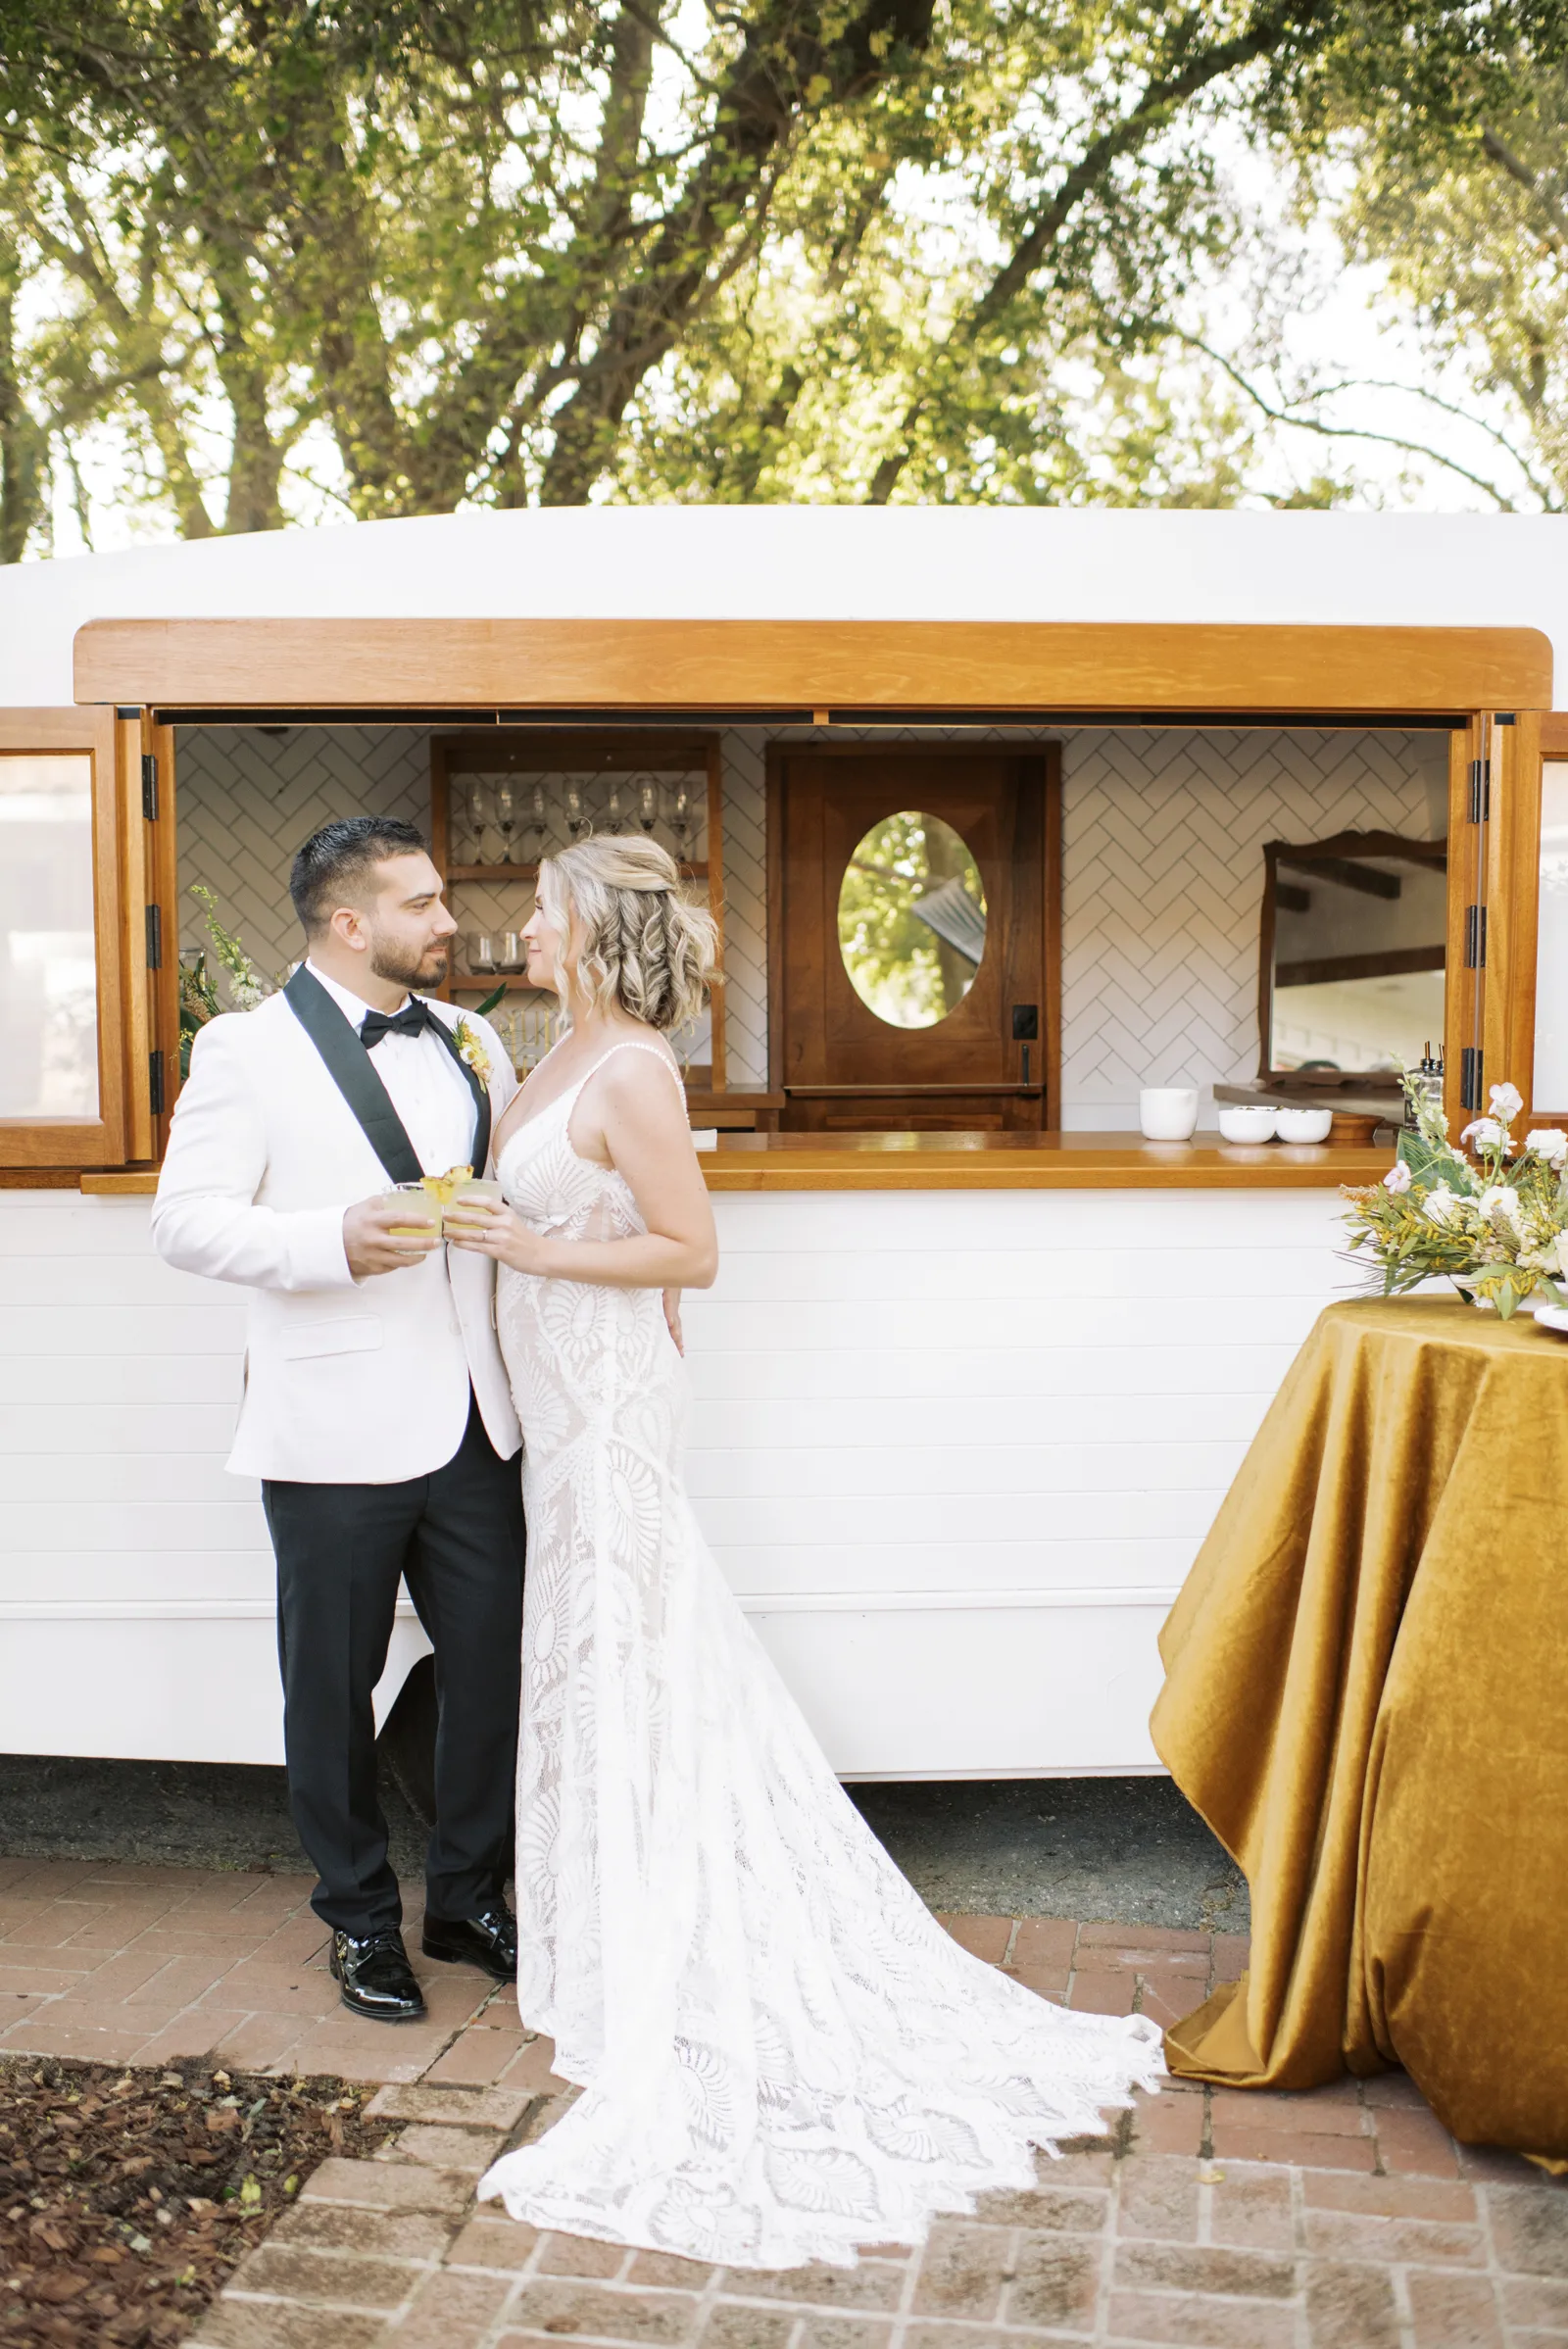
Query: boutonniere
[(472, 1052)]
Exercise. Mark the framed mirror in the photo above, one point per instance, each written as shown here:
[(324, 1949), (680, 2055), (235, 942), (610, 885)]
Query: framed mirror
[(1351, 967)]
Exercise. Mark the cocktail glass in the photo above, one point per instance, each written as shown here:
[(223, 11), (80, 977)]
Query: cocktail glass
[(424, 1211)]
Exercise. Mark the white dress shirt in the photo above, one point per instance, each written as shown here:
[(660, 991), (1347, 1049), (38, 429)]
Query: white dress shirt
[(424, 1085)]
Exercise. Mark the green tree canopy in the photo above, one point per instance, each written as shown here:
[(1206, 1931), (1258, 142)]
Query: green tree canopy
[(503, 251)]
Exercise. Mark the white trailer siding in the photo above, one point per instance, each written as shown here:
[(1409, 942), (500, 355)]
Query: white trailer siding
[(954, 1451)]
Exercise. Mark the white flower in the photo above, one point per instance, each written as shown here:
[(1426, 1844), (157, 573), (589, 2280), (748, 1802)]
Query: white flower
[(1440, 1204), (1500, 1199), (1549, 1142), (1397, 1178), (1485, 1133), (1506, 1100)]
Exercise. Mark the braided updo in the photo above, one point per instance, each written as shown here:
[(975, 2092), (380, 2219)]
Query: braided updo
[(644, 946)]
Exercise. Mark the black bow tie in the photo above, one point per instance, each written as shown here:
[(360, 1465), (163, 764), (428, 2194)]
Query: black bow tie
[(412, 1020)]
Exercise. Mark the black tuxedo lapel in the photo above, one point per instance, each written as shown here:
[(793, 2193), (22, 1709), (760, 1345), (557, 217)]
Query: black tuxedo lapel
[(353, 1072), (481, 1095)]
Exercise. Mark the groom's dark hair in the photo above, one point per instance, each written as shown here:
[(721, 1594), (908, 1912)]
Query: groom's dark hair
[(337, 860)]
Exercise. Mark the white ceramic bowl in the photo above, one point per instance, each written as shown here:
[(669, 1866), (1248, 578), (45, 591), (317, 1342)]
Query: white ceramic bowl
[(1246, 1121), (1167, 1112), (1303, 1125)]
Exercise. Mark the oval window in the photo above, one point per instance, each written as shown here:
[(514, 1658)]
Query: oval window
[(912, 919)]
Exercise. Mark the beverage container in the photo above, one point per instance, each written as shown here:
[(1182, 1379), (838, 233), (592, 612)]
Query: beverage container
[(490, 1192), (1167, 1112), (424, 1211)]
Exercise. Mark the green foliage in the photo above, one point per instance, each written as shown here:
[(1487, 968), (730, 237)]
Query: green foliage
[(1496, 1226), (199, 999), (481, 253)]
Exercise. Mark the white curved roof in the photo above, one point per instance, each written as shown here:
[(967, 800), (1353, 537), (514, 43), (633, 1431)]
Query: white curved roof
[(815, 562)]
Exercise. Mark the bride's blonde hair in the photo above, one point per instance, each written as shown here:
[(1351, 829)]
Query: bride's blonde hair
[(644, 946)]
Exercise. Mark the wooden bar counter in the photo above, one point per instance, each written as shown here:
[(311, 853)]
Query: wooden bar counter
[(992, 1162), (1117, 1161)]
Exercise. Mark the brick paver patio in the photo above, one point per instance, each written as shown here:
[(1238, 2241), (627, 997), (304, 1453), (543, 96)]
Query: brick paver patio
[(1343, 2218)]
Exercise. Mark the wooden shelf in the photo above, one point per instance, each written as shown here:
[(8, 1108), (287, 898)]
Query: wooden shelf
[(531, 872)]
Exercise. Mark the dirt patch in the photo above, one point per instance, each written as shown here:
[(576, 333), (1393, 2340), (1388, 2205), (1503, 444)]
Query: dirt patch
[(127, 2198)]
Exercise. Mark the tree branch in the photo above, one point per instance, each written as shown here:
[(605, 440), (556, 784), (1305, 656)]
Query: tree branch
[(1161, 98), (1306, 423)]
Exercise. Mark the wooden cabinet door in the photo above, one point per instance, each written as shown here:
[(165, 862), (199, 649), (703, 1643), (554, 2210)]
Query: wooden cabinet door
[(832, 1053)]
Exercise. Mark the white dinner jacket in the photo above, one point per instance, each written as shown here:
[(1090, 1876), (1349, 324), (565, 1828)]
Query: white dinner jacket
[(346, 1382)]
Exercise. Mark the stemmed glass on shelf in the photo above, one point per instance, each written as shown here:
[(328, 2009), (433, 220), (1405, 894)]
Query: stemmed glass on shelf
[(648, 806), (507, 816), (482, 815), (537, 826), (682, 820)]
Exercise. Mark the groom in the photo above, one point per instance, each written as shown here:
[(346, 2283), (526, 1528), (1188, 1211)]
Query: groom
[(377, 1409)]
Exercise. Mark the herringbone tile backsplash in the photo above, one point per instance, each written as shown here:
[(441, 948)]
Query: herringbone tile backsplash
[(1163, 869)]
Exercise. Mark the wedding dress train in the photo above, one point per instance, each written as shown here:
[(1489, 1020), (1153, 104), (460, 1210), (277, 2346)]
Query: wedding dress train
[(782, 2054)]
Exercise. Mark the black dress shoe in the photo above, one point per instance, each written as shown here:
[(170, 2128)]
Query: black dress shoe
[(377, 1977), (488, 1940)]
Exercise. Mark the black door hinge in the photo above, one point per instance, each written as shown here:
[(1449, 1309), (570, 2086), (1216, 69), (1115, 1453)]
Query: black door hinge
[(1480, 789), (1470, 1077), (1475, 938), (149, 787), (155, 938), (155, 1083)]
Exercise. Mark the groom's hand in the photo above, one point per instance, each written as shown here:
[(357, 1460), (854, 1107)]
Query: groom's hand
[(368, 1242)]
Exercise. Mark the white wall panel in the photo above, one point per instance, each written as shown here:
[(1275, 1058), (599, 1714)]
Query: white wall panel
[(955, 1452)]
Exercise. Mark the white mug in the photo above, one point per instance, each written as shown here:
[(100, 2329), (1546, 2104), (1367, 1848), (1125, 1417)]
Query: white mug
[(1167, 1112)]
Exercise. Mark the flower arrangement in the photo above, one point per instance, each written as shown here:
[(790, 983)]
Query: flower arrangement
[(199, 999), (471, 1050), (1493, 1220)]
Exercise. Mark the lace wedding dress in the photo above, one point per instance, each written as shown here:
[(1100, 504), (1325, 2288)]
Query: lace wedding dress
[(782, 2054)]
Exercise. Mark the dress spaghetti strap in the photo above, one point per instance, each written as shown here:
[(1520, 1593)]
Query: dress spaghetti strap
[(630, 1044)]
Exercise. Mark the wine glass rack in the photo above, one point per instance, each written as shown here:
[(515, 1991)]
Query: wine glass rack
[(550, 787)]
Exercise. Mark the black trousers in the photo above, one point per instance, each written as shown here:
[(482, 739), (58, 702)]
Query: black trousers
[(457, 1536)]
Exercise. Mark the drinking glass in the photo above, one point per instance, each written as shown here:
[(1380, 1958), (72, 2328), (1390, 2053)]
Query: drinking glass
[(481, 949), (615, 807), (514, 952), (480, 1188), (506, 813), (682, 820), (424, 1211), (537, 827), (648, 806), (482, 815), (576, 814)]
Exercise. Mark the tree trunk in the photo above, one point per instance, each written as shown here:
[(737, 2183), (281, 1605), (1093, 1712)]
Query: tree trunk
[(24, 447)]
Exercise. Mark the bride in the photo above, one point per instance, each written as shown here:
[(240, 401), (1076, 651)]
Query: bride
[(781, 2054)]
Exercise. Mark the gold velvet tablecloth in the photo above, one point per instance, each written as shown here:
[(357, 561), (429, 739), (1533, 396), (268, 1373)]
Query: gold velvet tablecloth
[(1366, 1698)]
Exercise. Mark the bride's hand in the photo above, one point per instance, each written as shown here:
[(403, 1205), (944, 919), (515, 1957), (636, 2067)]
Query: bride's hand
[(488, 1230)]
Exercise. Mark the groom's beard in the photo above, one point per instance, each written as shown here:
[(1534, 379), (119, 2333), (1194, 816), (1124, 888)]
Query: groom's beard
[(396, 963)]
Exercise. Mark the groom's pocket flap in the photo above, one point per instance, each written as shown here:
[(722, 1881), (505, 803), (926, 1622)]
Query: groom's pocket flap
[(361, 1336)]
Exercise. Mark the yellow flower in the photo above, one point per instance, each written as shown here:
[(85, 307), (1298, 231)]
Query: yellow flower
[(473, 1053)]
